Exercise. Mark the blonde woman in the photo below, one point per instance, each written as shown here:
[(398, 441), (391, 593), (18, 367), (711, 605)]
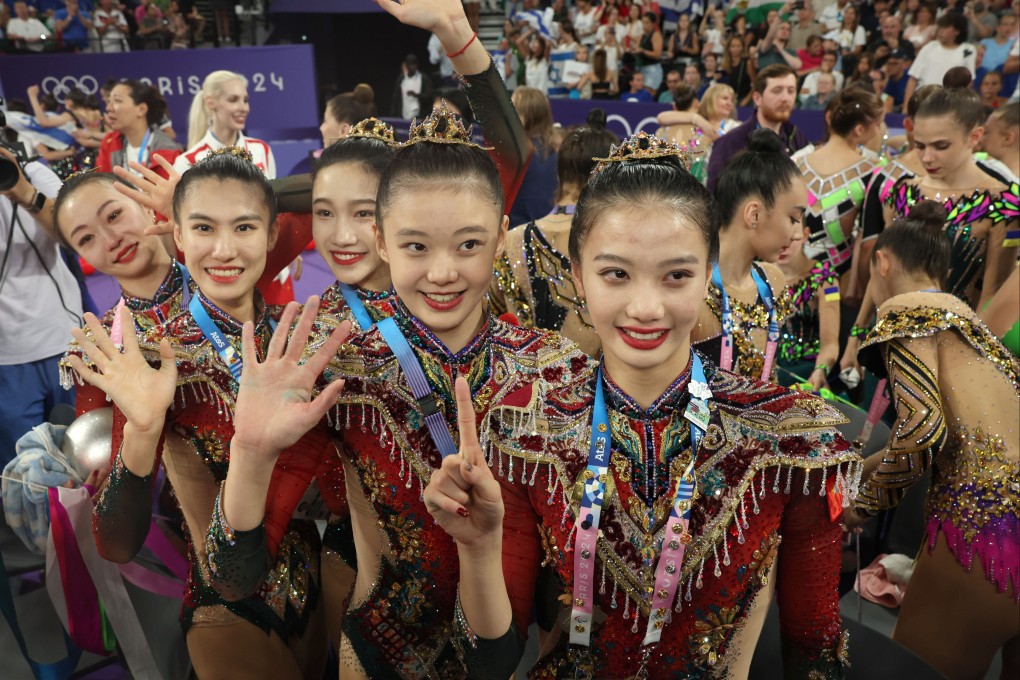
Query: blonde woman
[(217, 118)]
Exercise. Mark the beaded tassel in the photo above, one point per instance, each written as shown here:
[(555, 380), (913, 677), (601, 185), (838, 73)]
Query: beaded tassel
[(534, 472), (637, 615), (602, 585), (701, 570), (510, 470), (754, 499), (690, 582), (807, 476), (825, 478), (612, 602), (626, 606), (715, 552), (775, 485), (789, 479), (726, 552)]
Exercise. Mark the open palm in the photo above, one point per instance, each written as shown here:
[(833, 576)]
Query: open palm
[(274, 401), (427, 14), (142, 393)]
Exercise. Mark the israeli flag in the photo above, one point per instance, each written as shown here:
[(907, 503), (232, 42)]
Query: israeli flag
[(540, 20), (557, 60), (31, 133)]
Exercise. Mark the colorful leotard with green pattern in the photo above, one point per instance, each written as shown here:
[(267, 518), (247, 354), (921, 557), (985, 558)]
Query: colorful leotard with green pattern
[(831, 198), (801, 338), (968, 249)]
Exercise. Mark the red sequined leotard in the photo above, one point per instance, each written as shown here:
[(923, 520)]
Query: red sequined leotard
[(765, 463)]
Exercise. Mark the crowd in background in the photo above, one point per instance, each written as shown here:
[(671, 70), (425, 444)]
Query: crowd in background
[(34, 26)]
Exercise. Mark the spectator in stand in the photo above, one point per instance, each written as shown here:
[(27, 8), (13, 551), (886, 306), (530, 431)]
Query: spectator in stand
[(828, 65), (804, 27), (832, 16), (637, 92), (134, 112), (718, 106), (943, 53), (180, 28), (154, 30), (612, 25), (112, 27), (27, 32), (981, 23), (143, 8), (740, 29), (891, 40), (195, 20), (879, 81), (221, 15), (568, 37), (635, 28), (73, 24), (773, 47), (774, 95), (895, 67), (810, 56), (825, 90), (922, 28), (673, 81), (536, 66), (412, 93), (850, 37), (648, 51), (585, 22), (438, 58), (537, 194), (862, 70), (713, 33), (991, 85), (693, 80), (604, 82), (713, 74), (739, 69), (993, 51), (611, 42), (684, 46)]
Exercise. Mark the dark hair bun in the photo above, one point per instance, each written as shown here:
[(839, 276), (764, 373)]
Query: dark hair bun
[(596, 118), (929, 213), (764, 141)]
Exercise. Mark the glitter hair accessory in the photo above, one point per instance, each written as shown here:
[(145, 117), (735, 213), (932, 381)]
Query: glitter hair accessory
[(442, 126), (373, 128), (641, 147), (231, 151)]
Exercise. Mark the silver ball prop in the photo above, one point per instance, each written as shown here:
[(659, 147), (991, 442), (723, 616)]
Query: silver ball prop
[(88, 441)]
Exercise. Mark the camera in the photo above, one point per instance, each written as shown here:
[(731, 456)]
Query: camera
[(10, 170)]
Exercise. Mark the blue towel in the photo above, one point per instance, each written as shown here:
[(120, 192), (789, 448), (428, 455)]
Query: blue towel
[(39, 464)]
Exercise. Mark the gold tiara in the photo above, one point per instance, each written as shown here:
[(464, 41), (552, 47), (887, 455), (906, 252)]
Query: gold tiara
[(442, 126), (232, 151), (644, 146), (373, 128)]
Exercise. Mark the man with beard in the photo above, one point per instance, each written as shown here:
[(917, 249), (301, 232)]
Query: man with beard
[(775, 91)]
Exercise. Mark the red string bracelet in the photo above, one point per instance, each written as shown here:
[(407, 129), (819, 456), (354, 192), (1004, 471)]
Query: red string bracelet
[(463, 49)]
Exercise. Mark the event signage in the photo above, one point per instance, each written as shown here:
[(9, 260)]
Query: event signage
[(281, 79)]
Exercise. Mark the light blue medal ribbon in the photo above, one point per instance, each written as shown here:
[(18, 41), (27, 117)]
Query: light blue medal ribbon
[(765, 292), (357, 307), (427, 400), (208, 327), (144, 147)]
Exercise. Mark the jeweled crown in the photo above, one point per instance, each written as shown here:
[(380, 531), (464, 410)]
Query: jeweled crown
[(643, 146), (373, 128), (442, 126)]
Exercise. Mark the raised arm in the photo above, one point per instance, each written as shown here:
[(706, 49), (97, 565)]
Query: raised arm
[(919, 431), (273, 412), (466, 501), (141, 395)]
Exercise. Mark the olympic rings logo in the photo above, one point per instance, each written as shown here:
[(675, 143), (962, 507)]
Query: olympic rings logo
[(61, 87), (651, 122)]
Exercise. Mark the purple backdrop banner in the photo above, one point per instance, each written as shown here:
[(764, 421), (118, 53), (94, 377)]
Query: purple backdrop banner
[(323, 7), (281, 79), (626, 118)]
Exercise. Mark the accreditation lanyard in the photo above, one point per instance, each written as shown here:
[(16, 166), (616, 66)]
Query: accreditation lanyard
[(117, 333), (667, 570), (226, 351), (427, 400), (357, 306), (144, 148), (765, 292)]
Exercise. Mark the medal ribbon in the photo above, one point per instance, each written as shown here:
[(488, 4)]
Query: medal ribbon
[(765, 292), (667, 571), (357, 306)]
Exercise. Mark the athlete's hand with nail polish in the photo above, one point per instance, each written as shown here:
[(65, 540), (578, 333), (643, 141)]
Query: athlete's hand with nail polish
[(462, 495)]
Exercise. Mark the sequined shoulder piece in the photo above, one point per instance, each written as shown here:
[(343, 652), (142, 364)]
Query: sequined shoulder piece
[(921, 315), (902, 196), (1006, 206), (772, 409), (333, 310)]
